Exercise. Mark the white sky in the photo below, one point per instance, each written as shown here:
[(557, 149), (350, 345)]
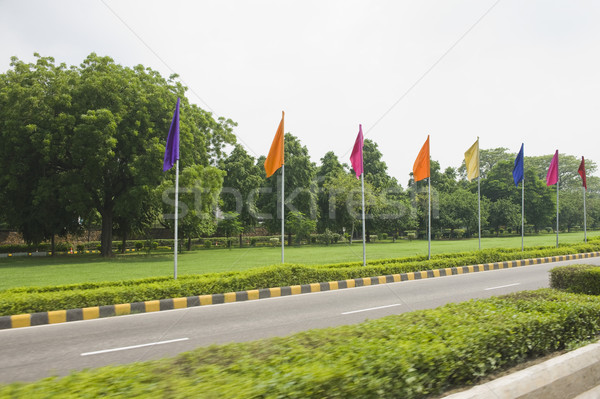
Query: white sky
[(528, 71)]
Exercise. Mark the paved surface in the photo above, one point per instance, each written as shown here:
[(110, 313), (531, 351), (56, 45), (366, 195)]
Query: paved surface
[(31, 353), (575, 374)]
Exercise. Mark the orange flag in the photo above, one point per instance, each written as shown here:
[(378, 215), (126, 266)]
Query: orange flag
[(275, 158), (421, 166)]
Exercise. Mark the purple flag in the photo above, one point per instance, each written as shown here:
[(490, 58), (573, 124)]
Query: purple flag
[(172, 149), (552, 176), (356, 158)]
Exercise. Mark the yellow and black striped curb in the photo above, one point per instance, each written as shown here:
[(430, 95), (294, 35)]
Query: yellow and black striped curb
[(95, 312)]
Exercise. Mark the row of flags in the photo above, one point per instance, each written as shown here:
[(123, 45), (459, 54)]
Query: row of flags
[(421, 170)]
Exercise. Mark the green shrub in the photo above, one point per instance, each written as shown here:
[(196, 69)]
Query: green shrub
[(581, 279), (207, 244), (253, 242), (139, 245)]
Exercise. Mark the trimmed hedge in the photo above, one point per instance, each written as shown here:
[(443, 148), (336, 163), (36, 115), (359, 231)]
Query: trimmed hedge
[(41, 299), (413, 355), (581, 279)]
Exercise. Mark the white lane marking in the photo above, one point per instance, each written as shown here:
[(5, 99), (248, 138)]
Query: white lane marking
[(502, 286), (366, 310), (133, 347)]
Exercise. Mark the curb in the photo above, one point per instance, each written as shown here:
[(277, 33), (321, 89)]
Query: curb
[(575, 374), (95, 312)]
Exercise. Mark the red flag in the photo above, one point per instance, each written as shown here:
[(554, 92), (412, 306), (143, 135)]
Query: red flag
[(581, 172)]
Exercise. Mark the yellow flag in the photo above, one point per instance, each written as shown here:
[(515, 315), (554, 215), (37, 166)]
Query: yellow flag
[(275, 158), (472, 161)]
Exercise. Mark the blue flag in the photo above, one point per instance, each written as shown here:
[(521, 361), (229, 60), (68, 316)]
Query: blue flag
[(518, 170), (172, 149)]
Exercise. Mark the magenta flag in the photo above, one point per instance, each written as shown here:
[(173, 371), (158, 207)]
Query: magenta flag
[(356, 158), (552, 176)]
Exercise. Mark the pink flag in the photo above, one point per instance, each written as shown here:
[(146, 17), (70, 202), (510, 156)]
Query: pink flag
[(552, 176), (356, 158)]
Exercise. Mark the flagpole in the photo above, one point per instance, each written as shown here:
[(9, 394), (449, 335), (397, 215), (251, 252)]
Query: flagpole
[(362, 182), (479, 189), (429, 215), (584, 217), (556, 213), (479, 205), (282, 211), (176, 216), (522, 213)]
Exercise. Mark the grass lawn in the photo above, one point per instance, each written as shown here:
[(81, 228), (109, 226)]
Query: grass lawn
[(69, 269)]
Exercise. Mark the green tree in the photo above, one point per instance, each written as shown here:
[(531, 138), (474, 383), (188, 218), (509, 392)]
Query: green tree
[(300, 225), (571, 209), (34, 104), (393, 212), (98, 130), (136, 220), (243, 178), (460, 209), (539, 204), (344, 197), (300, 186), (199, 188), (568, 165), (504, 213), (487, 160), (229, 225), (330, 169), (375, 168)]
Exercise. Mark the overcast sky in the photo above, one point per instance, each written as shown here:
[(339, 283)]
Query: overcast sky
[(508, 71)]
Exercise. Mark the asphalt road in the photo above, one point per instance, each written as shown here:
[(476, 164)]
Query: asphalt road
[(28, 354)]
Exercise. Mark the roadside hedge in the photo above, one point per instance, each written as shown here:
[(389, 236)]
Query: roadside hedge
[(580, 279), (413, 355), (42, 299)]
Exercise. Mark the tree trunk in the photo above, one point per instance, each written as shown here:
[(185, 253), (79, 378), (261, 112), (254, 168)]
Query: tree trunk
[(289, 239), (123, 242), (106, 235), (189, 244), (52, 245), (241, 242), (368, 236)]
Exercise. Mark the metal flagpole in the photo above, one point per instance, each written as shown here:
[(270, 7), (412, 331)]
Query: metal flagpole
[(282, 210), (522, 212), (362, 182), (556, 213), (429, 215), (479, 189), (479, 205), (584, 217), (176, 215)]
